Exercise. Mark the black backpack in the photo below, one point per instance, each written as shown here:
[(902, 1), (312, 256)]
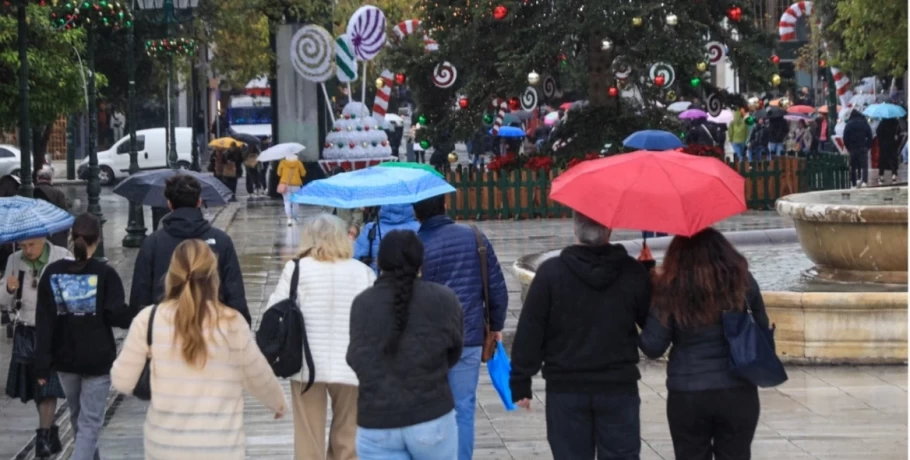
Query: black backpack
[(282, 336)]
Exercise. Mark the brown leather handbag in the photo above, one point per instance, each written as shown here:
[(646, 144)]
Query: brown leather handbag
[(489, 343)]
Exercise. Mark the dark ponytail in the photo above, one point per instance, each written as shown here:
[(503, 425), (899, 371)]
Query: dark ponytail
[(400, 258), (86, 232)]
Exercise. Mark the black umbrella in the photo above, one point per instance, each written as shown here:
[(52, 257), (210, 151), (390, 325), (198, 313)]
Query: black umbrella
[(247, 139), (148, 188), (775, 112)]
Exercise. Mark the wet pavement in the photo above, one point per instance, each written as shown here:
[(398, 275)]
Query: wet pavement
[(821, 413)]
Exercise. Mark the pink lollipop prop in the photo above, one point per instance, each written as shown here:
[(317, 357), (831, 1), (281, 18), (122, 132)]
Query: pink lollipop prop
[(367, 31)]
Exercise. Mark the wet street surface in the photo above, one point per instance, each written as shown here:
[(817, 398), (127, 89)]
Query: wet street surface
[(820, 413)]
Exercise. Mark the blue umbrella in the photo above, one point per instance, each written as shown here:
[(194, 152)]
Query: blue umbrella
[(26, 218), (147, 188), (373, 187), (652, 139), (499, 368), (884, 110), (510, 131)]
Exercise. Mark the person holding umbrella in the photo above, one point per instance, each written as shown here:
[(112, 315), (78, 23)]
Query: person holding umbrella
[(858, 138), (27, 217), (290, 177)]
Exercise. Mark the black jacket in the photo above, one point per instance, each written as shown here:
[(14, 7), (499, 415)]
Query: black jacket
[(857, 132), (579, 318), (700, 357), (889, 143), (53, 195), (412, 386), (777, 130), (77, 307), (155, 257)]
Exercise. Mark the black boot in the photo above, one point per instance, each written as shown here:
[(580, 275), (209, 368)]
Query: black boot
[(54, 438), (42, 443)]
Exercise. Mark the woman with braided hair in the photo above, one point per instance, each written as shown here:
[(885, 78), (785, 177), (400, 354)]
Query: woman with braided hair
[(405, 336)]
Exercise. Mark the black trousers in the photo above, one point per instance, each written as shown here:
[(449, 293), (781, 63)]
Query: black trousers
[(582, 425), (713, 424), (859, 165), (255, 179)]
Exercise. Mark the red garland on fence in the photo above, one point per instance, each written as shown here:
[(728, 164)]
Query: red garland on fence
[(539, 163), (704, 151), (507, 162), (575, 161)]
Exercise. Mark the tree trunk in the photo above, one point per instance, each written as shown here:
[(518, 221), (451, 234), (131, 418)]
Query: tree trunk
[(41, 135), (600, 76)]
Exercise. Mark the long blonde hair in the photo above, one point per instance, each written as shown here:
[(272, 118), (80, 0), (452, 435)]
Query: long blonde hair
[(324, 237), (192, 285)]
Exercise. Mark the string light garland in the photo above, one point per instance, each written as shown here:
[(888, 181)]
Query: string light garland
[(90, 13), (172, 46)]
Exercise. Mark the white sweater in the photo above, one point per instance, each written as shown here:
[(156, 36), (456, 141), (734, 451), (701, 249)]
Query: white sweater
[(326, 291)]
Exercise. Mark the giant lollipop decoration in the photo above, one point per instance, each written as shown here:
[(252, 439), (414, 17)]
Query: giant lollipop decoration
[(312, 56), (367, 31)]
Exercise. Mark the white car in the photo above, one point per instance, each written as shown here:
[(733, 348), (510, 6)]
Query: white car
[(151, 147), (11, 160)]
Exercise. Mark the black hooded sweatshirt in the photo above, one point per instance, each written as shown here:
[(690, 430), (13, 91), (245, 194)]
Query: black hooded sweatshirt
[(155, 257), (579, 319)]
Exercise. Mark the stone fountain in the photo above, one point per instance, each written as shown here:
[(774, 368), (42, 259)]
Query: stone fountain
[(851, 306)]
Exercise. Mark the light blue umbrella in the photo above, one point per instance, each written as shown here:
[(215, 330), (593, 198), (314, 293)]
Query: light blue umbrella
[(652, 139), (510, 131), (884, 110), (26, 218), (373, 187)]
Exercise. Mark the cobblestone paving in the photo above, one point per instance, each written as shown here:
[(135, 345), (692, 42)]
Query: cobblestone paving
[(821, 413)]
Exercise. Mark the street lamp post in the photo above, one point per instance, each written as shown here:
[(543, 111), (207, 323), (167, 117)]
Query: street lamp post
[(135, 230), (94, 184), (25, 136), (169, 11)]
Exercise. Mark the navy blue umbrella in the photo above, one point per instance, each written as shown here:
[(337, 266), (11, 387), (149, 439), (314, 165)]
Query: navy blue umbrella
[(652, 139), (148, 188)]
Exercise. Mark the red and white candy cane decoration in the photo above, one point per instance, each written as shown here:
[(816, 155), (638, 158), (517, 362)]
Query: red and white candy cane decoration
[(405, 28), (381, 102), (787, 30), (502, 105)]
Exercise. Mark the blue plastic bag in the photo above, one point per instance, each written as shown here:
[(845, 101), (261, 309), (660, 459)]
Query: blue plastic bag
[(499, 368)]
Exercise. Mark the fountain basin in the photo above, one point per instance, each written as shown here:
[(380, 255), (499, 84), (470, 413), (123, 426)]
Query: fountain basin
[(852, 236)]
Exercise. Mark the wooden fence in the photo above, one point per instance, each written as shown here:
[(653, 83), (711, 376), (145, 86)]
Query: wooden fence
[(524, 194)]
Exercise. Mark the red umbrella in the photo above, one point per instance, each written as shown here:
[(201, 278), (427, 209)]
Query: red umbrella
[(669, 192), (801, 109), (566, 106)]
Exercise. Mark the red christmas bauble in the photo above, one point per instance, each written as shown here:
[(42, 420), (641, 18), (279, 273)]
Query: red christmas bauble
[(775, 59), (400, 78), (328, 145), (613, 91), (514, 104), (351, 145), (463, 103), (366, 128), (735, 14), (659, 80), (500, 12), (385, 143)]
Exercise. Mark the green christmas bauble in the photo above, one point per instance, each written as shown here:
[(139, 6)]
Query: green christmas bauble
[(695, 81), (425, 144), (487, 119), (422, 120), (359, 128)]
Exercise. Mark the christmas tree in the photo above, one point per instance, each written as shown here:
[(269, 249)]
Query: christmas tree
[(627, 58)]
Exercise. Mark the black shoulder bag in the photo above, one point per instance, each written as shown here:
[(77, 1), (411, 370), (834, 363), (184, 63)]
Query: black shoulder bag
[(371, 236), (143, 389), (24, 336)]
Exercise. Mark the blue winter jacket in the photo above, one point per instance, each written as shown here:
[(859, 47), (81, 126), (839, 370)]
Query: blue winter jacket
[(391, 217), (451, 259)]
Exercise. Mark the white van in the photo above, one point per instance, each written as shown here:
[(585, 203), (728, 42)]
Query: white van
[(151, 144)]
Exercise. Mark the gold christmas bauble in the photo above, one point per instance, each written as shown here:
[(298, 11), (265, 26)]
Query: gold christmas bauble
[(702, 66), (453, 157), (775, 80), (380, 83), (364, 145), (533, 78), (637, 21), (672, 20), (671, 96), (784, 103)]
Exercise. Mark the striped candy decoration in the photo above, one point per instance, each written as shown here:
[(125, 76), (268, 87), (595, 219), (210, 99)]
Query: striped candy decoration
[(345, 61), (381, 102), (787, 29), (410, 26), (502, 105)]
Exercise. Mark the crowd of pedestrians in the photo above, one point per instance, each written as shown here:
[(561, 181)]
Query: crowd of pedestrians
[(398, 319)]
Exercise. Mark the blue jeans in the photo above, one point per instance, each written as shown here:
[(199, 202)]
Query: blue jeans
[(86, 396), (775, 147), (739, 149), (463, 380), (433, 440), (581, 425)]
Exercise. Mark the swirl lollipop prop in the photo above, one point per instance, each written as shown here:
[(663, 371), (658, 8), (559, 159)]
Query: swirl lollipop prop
[(367, 31), (312, 55), (549, 86), (716, 52), (665, 70), (444, 75), (529, 98), (713, 104)]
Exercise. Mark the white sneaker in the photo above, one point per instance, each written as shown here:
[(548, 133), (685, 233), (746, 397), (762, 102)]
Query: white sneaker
[(893, 179), (881, 180), (862, 185), (290, 222)]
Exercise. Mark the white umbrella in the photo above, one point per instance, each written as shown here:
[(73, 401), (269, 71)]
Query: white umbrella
[(280, 151), (724, 117), (395, 119), (679, 107)]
